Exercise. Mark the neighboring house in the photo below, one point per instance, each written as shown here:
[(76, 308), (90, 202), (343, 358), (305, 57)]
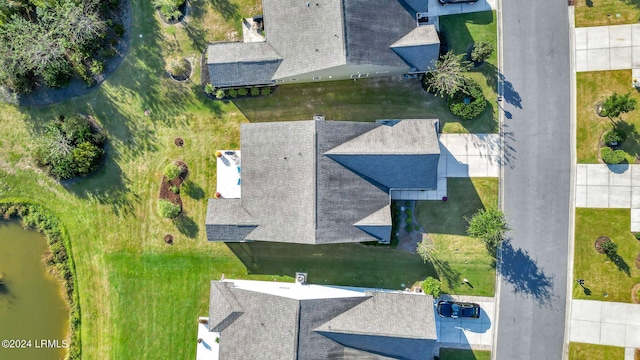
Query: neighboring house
[(321, 40), (324, 182), (271, 320)]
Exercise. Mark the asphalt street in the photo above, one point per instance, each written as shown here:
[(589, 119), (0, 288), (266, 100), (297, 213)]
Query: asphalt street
[(536, 182)]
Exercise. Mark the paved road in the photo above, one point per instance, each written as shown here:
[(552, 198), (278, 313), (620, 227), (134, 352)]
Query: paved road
[(536, 182)]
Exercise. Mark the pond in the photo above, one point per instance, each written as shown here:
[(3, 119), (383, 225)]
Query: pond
[(32, 309)]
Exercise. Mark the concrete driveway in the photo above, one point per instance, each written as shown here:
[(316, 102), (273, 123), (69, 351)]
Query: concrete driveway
[(607, 47), (467, 333), (605, 323)]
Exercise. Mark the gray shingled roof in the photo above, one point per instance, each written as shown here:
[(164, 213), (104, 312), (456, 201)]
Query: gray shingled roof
[(309, 38), (419, 48), (328, 33), (237, 64), (371, 27), (265, 326)]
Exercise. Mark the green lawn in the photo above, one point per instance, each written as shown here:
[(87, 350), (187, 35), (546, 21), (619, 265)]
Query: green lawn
[(580, 351), (134, 289), (593, 87), (464, 30), (606, 12), (600, 274), (457, 354), (458, 256)]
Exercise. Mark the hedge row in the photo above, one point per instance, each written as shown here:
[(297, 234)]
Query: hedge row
[(60, 262)]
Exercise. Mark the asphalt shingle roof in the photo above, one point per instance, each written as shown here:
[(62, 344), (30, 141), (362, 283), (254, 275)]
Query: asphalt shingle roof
[(236, 64)]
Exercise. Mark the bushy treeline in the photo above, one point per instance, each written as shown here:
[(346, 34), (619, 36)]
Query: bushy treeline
[(69, 147), (58, 260), (50, 41)]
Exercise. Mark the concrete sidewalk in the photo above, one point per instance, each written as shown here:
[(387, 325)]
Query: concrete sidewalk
[(607, 48), (437, 9), (605, 323), (610, 186)]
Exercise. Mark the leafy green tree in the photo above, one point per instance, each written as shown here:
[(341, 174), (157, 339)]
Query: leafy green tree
[(448, 76), (169, 8), (481, 51), (424, 249), (167, 209), (610, 248), (468, 102), (432, 286), (489, 225), (615, 105)]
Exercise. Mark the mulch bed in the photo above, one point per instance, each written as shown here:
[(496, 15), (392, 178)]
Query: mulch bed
[(634, 294), (165, 186), (168, 239), (599, 241), (186, 75), (183, 12), (178, 141)]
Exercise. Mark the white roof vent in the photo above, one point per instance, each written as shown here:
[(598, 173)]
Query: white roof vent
[(301, 278)]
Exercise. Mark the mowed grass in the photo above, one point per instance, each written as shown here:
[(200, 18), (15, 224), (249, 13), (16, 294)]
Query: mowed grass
[(581, 351), (601, 275), (459, 354), (593, 87), (606, 12), (139, 296), (457, 256), (461, 32)]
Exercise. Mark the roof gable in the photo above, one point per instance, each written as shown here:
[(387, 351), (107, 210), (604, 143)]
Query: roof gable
[(236, 64), (224, 308), (419, 48)]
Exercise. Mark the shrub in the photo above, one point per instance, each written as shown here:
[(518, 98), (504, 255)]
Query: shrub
[(233, 93), (432, 286), (481, 51), (614, 137), (255, 91), (175, 189), (97, 67), (616, 104), (169, 8), (637, 235), (85, 157), (469, 102), (220, 94), (488, 225), (178, 67), (167, 209), (171, 171), (243, 91), (265, 91), (610, 156), (610, 248), (209, 89), (408, 220)]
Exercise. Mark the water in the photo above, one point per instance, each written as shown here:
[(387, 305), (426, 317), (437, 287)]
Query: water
[(32, 309)]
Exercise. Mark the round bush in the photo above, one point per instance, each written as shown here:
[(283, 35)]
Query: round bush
[(481, 51), (255, 91), (168, 209), (614, 137), (220, 94), (243, 91), (265, 91), (469, 102), (611, 156), (171, 171)]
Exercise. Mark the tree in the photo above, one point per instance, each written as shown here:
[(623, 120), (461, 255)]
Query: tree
[(425, 249), (468, 102), (85, 157), (481, 51), (610, 248), (488, 225), (448, 76), (169, 8), (615, 105), (432, 286)]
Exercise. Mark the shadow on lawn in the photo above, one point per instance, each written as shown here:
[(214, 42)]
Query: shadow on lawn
[(339, 264), (227, 9), (186, 226), (521, 271), (193, 28)]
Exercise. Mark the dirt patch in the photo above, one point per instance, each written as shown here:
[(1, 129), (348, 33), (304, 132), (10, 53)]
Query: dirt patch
[(635, 296), (598, 244), (168, 239), (178, 141)]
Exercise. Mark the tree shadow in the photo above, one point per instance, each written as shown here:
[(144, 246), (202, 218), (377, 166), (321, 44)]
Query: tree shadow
[(186, 226), (227, 9), (192, 190), (508, 92), (508, 147), (619, 262), (631, 145), (193, 28), (336, 264), (446, 272), (521, 271)]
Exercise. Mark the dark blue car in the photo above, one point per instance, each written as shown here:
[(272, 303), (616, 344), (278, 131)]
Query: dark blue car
[(455, 309)]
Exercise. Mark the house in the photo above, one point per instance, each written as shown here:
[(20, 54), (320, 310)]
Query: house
[(271, 320), (321, 40), (322, 182)]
